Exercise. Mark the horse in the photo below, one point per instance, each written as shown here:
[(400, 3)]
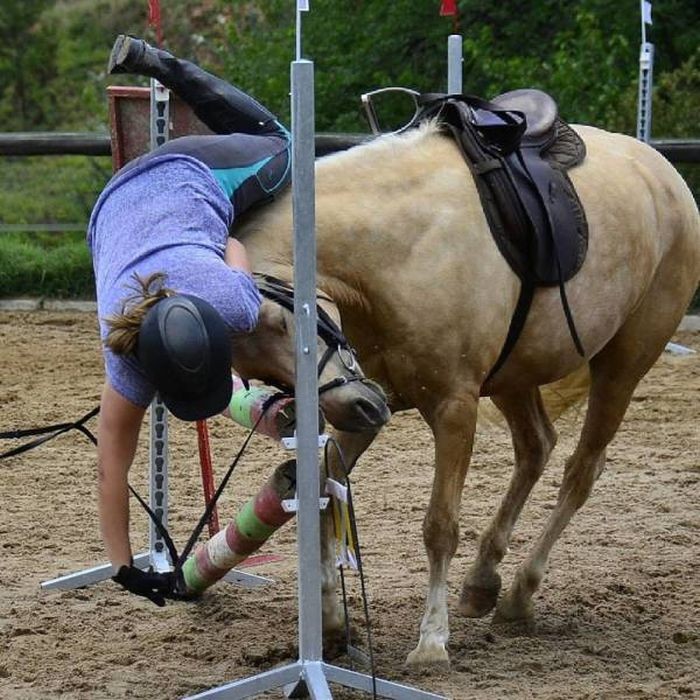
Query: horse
[(405, 253)]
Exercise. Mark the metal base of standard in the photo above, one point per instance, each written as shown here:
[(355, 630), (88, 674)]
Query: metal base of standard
[(103, 572), (310, 679)]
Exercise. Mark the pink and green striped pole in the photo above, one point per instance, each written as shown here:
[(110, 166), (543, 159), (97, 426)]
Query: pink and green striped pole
[(255, 523)]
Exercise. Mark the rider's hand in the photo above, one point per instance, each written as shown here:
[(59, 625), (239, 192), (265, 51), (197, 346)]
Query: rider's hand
[(178, 589), (150, 584)]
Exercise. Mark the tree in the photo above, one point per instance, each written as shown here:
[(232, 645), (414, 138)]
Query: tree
[(584, 53), (26, 51)]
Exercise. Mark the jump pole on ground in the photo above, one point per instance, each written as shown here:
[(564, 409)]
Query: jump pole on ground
[(309, 675)]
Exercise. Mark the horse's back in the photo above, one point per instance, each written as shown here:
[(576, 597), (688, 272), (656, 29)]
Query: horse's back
[(640, 211), (619, 162)]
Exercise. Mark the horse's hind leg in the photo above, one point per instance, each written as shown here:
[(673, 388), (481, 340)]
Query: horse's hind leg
[(533, 441), (615, 372)]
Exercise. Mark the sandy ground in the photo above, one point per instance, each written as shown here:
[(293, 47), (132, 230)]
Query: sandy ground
[(617, 615)]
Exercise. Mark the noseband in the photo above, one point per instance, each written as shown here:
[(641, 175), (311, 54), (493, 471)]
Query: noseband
[(282, 293)]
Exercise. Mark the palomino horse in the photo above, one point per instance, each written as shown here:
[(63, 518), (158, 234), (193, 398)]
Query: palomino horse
[(405, 252)]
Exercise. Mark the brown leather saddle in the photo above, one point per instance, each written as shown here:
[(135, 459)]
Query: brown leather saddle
[(519, 150)]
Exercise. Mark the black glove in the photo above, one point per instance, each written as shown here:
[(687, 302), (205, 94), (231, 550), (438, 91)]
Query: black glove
[(150, 584), (178, 589)]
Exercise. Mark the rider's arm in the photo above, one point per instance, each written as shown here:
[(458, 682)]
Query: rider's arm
[(236, 255), (120, 421)]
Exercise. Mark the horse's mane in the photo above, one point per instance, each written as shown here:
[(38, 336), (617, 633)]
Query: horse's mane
[(380, 147), (374, 160)]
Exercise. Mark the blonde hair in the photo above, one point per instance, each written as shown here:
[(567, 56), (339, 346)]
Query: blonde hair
[(124, 327)]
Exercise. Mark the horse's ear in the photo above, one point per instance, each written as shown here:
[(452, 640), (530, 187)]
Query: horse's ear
[(272, 316)]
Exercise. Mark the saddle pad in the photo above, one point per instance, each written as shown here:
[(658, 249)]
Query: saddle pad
[(559, 239)]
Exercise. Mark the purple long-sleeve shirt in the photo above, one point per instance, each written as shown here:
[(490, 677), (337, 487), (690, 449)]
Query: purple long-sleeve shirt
[(168, 215)]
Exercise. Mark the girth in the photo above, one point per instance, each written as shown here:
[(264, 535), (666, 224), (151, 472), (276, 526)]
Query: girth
[(519, 150)]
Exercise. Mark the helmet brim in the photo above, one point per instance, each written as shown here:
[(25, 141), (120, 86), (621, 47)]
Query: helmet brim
[(210, 404)]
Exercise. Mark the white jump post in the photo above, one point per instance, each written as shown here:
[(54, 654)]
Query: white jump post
[(309, 675), (454, 64), (646, 77), (157, 554), (644, 107)]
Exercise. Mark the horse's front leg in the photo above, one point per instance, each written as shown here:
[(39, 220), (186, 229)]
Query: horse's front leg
[(453, 423), (533, 441), (352, 446)]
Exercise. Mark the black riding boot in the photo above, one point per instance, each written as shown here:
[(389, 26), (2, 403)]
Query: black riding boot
[(222, 107)]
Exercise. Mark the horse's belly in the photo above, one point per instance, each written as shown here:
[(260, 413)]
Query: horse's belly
[(600, 301)]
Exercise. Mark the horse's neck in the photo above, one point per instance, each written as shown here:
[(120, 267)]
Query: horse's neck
[(269, 243), (362, 201)]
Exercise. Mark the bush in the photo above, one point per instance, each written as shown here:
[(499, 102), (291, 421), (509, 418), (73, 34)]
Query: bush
[(60, 270)]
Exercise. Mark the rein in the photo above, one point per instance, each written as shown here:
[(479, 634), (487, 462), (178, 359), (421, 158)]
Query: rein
[(178, 560), (48, 432)]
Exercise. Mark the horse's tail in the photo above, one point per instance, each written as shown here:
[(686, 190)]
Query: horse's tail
[(566, 393), (558, 397)]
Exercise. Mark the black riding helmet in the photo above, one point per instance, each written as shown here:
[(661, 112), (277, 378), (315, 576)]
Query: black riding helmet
[(184, 347)]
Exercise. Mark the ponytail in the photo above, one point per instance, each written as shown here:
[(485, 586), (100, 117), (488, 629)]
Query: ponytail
[(124, 327)]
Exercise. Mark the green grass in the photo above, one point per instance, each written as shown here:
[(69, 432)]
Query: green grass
[(48, 189), (60, 270)]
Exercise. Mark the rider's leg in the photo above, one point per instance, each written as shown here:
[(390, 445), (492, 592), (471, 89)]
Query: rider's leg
[(222, 107)]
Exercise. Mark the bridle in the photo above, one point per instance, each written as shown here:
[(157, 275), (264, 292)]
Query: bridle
[(282, 293)]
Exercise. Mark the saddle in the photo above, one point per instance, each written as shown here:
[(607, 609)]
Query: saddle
[(519, 150)]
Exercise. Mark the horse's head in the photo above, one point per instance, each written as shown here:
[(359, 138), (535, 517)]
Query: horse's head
[(348, 399)]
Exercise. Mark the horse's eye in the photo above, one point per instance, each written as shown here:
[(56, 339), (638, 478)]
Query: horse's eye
[(283, 323)]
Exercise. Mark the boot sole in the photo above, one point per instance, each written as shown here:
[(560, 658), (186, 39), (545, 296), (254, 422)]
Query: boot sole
[(119, 54)]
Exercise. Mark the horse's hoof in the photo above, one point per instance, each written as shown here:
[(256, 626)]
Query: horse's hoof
[(335, 644), (479, 594), (510, 611), (424, 656)]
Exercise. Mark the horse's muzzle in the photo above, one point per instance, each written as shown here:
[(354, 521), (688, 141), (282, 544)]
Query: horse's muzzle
[(356, 406)]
